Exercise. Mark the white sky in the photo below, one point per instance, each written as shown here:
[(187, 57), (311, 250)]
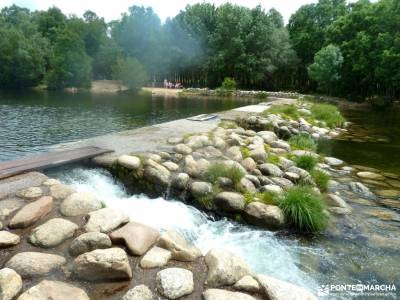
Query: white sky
[(112, 10)]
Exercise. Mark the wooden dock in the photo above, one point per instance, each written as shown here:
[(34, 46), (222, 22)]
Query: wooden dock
[(48, 160)]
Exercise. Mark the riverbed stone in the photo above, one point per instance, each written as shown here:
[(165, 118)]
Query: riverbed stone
[(79, 203), (249, 164), (32, 212), (139, 292), (304, 153), (105, 220), (270, 169), (60, 191), (291, 176), (391, 203), (33, 264), (54, 290), (335, 200), (137, 237), (272, 188), (258, 154), (332, 161), (8, 239), (156, 257), (174, 283), (276, 289), (359, 188), (248, 185), (174, 140), (248, 284), (180, 181), (268, 136), (52, 233), (268, 216), (51, 181), (89, 241), (224, 268), (179, 247), (388, 193), (218, 294), (9, 206), (182, 149), (10, 284), (230, 201), (156, 173), (102, 264), (280, 144), (234, 153), (30, 193), (282, 182), (130, 162), (12, 185), (171, 166), (200, 189), (370, 175)]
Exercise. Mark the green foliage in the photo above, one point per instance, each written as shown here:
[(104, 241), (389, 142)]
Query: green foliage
[(306, 162), (304, 209), (245, 152), (326, 67), (262, 95), (329, 114), (229, 84), (273, 159), (269, 198), (227, 125), (321, 178), (287, 111), (130, 72), (302, 141), (217, 170)]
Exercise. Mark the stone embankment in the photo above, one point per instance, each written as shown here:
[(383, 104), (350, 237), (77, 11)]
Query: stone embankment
[(57, 243)]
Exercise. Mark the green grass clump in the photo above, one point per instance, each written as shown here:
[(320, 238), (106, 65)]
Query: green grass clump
[(262, 95), (227, 125), (287, 111), (306, 162), (302, 141), (304, 209), (269, 198), (329, 114), (245, 152), (273, 159), (217, 170), (321, 178)]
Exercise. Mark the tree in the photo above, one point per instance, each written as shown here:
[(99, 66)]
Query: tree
[(131, 72), (326, 67)]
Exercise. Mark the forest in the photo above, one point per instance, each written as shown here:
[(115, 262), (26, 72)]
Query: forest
[(331, 47)]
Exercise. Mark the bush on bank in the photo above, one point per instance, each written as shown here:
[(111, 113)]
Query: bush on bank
[(302, 141)]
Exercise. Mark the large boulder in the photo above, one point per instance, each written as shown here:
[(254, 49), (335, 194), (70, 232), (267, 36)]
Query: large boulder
[(332, 161), (224, 268), (180, 249), (89, 241), (32, 212), (268, 136), (258, 154), (198, 141), (102, 264), (139, 292), (180, 181), (218, 294), (182, 149), (249, 164), (54, 290), (60, 191), (105, 220), (10, 284), (200, 189), (271, 170), (370, 175), (156, 173), (79, 203), (156, 257), (137, 237), (9, 206), (276, 289), (130, 162), (30, 193), (32, 264), (8, 239), (248, 284), (268, 216), (52, 233), (174, 283), (230, 201), (361, 189), (13, 184), (234, 153)]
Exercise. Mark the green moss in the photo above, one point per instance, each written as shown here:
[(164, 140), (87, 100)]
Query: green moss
[(269, 198), (245, 152), (304, 209), (302, 141), (267, 148), (306, 162), (248, 198), (329, 114), (227, 124), (273, 159), (321, 179), (217, 170), (286, 111)]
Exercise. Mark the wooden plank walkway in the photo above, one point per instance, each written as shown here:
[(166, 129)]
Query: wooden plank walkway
[(48, 160)]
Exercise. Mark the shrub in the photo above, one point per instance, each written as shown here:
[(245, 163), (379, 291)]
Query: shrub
[(306, 162), (321, 178), (228, 84), (304, 209), (131, 72), (262, 95), (328, 113), (217, 170), (303, 141)]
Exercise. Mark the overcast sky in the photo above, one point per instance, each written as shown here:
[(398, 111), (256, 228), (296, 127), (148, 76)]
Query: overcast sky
[(112, 10)]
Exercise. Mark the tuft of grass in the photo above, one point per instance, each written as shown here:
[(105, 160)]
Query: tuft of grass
[(227, 125), (248, 197), (207, 201), (328, 113), (273, 159), (286, 111), (269, 198), (302, 141), (321, 178), (267, 148), (304, 209), (306, 162), (217, 170), (262, 95), (245, 152)]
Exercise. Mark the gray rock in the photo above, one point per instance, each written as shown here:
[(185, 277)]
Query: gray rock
[(335, 200), (234, 164), (79, 203), (8, 239), (234, 153), (268, 216), (30, 193), (291, 176), (333, 161), (276, 289), (32, 212), (225, 182), (270, 169), (130, 162), (217, 294), (282, 182), (183, 149), (280, 144), (268, 136), (105, 220), (11, 185), (285, 163), (224, 268), (198, 141), (51, 181), (54, 290), (9, 206), (191, 166), (230, 201), (33, 264), (359, 188), (200, 189), (272, 188), (52, 233), (60, 191), (10, 284), (304, 153), (248, 284), (254, 180), (210, 152), (249, 164), (171, 166), (102, 264), (258, 154), (180, 181), (174, 283), (156, 257), (139, 292), (175, 140), (156, 173), (248, 185), (180, 249), (88, 242)]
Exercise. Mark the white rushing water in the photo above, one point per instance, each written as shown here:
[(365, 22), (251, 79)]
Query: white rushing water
[(264, 252)]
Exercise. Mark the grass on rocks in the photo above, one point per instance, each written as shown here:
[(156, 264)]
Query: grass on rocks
[(321, 179), (306, 162), (245, 152), (227, 125), (302, 141), (304, 209), (218, 169), (288, 111), (269, 198), (328, 113), (273, 159)]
